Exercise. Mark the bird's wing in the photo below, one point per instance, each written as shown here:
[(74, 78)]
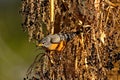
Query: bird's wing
[(55, 38)]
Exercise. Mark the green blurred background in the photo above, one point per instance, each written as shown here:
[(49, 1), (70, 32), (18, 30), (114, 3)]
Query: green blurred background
[(16, 53)]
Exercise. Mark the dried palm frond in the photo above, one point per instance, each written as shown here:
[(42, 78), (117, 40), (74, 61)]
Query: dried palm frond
[(92, 55)]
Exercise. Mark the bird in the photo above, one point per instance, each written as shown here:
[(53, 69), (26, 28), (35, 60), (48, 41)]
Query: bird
[(58, 41)]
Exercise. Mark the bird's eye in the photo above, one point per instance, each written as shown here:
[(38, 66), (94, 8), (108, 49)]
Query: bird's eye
[(43, 43)]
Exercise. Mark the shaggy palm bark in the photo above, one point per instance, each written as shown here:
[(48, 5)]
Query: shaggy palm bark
[(92, 55)]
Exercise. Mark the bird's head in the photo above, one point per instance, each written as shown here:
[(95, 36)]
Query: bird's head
[(45, 42)]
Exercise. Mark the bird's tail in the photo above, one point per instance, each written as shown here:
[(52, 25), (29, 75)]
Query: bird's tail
[(69, 36)]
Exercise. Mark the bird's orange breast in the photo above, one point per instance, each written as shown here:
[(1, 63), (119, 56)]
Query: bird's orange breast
[(57, 46)]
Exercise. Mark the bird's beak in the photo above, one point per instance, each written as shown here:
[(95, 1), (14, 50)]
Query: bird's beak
[(40, 44)]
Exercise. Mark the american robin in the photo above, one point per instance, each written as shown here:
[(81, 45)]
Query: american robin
[(57, 42)]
